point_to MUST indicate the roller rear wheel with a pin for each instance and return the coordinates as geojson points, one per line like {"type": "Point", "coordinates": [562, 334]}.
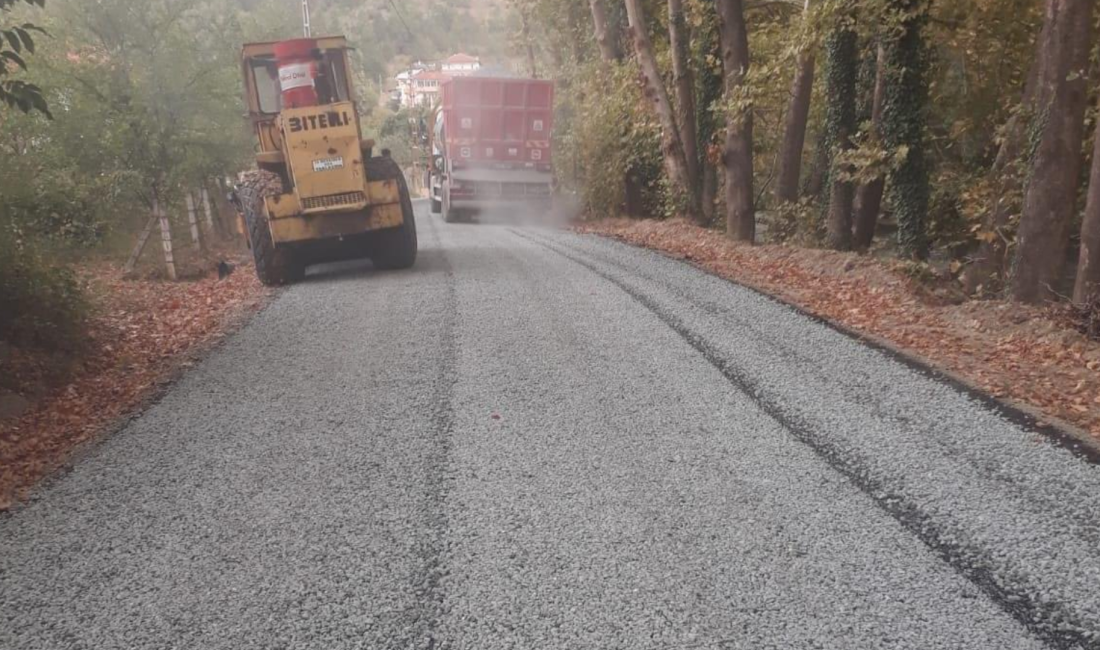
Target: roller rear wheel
{"type": "Point", "coordinates": [394, 248]}
{"type": "Point", "coordinates": [274, 266]}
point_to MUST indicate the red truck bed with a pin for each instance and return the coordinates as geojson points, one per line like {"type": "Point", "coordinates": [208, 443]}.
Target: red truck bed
{"type": "Point", "coordinates": [499, 123]}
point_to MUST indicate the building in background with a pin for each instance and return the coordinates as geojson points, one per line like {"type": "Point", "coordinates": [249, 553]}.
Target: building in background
{"type": "Point", "coordinates": [426, 87]}
{"type": "Point", "coordinates": [420, 84]}
{"type": "Point", "coordinates": [459, 65]}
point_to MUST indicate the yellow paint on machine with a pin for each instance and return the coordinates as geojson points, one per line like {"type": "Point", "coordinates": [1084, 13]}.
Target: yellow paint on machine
{"type": "Point", "coordinates": [321, 151]}
{"type": "Point", "coordinates": [299, 228]}
{"type": "Point", "coordinates": [331, 196]}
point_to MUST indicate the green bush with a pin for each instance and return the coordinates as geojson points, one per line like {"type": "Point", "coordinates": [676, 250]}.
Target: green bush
{"type": "Point", "coordinates": [603, 129]}
{"type": "Point", "coordinates": [41, 304]}
{"type": "Point", "coordinates": [58, 209]}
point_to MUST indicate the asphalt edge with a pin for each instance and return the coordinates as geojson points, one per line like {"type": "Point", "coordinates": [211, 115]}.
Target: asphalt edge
{"type": "Point", "coordinates": [160, 389]}
{"type": "Point", "coordinates": [1058, 432]}
{"type": "Point", "coordinates": [154, 397]}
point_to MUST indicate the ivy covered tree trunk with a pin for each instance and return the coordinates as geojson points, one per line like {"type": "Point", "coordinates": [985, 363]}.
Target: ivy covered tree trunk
{"type": "Point", "coordinates": [737, 156]}
{"type": "Point", "coordinates": [903, 120]}
{"type": "Point", "coordinates": [869, 195]}
{"type": "Point", "coordinates": [794, 129]}
{"type": "Point", "coordinates": [672, 148]}
{"type": "Point", "coordinates": [684, 82]}
{"type": "Point", "coordinates": [841, 70]}
{"type": "Point", "coordinates": [711, 82]}
{"type": "Point", "coordinates": [1061, 98]}
{"type": "Point", "coordinates": [1087, 285]}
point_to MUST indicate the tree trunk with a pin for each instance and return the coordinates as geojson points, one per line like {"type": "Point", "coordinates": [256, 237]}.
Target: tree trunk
{"type": "Point", "coordinates": [207, 212]}
{"type": "Point", "coordinates": [711, 81]}
{"type": "Point", "coordinates": [869, 195]}
{"type": "Point", "coordinates": [737, 157]}
{"type": "Point", "coordinates": [709, 191]}
{"type": "Point", "coordinates": [1052, 187]}
{"type": "Point", "coordinates": [840, 123]}
{"type": "Point", "coordinates": [903, 119]}
{"type": "Point", "coordinates": [1088, 262]}
{"type": "Point", "coordinates": [143, 239]}
{"type": "Point", "coordinates": [989, 263]}
{"type": "Point", "coordinates": [672, 148]}
{"type": "Point", "coordinates": [525, 32]}
{"type": "Point", "coordinates": [815, 185]}
{"type": "Point", "coordinates": [609, 45]}
{"type": "Point", "coordinates": [794, 131]}
{"type": "Point", "coordinates": [684, 83]}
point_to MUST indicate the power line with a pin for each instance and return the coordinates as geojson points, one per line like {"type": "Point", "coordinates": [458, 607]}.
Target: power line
{"type": "Point", "coordinates": [401, 18]}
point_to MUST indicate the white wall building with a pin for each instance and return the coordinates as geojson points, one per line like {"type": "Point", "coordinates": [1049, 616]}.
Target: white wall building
{"type": "Point", "coordinates": [426, 87]}
{"type": "Point", "coordinates": [460, 64]}
{"type": "Point", "coordinates": [420, 85]}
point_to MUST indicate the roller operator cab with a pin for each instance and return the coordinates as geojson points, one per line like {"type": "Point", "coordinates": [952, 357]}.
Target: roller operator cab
{"type": "Point", "coordinates": [491, 146]}
{"type": "Point", "coordinates": [318, 194]}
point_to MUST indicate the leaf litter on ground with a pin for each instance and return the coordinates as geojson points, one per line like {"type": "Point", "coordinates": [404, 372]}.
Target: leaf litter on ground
{"type": "Point", "coordinates": [141, 332]}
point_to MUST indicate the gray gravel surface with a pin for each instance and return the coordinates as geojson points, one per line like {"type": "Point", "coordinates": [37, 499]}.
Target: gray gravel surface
{"type": "Point", "coordinates": [541, 440]}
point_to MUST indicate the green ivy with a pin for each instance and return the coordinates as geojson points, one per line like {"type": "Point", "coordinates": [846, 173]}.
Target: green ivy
{"type": "Point", "coordinates": [903, 123]}
{"type": "Point", "coordinates": [841, 76]}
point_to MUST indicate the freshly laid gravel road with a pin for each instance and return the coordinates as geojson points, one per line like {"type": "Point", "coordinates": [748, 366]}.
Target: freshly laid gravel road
{"type": "Point", "coordinates": [539, 440]}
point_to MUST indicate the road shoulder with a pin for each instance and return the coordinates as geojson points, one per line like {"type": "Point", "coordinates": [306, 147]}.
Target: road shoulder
{"type": "Point", "coordinates": [1020, 361]}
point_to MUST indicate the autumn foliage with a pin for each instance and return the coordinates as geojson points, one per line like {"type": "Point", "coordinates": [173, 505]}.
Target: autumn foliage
{"type": "Point", "coordinates": [141, 331]}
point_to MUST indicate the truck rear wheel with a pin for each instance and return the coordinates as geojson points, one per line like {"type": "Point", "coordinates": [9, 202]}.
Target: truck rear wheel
{"type": "Point", "coordinates": [451, 214]}
{"type": "Point", "coordinates": [274, 266]}
{"type": "Point", "coordinates": [394, 248]}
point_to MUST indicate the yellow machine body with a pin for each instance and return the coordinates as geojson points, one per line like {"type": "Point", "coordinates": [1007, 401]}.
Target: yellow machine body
{"type": "Point", "coordinates": [318, 151]}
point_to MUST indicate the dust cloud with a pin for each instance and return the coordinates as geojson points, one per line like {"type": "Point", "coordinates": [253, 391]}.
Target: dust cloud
{"type": "Point", "coordinates": [564, 210]}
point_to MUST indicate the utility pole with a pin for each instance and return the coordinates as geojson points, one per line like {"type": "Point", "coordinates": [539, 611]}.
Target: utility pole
{"type": "Point", "coordinates": [305, 19]}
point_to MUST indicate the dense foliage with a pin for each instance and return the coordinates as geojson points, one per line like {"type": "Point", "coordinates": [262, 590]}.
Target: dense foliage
{"type": "Point", "coordinates": [41, 304]}
{"type": "Point", "coordinates": [16, 44]}
{"type": "Point", "coordinates": [145, 99]}
{"type": "Point", "coordinates": [952, 79]}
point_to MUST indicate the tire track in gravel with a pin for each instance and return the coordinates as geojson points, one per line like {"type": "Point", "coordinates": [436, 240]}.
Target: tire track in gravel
{"type": "Point", "coordinates": [423, 622]}
{"type": "Point", "coordinates": [862, 386]}
{"type": "Point", "coordinates": [1045, 620]}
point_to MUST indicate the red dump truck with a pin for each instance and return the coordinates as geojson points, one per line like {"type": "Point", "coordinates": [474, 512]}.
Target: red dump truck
{"type": "Point", "coordinates": [491, 146]}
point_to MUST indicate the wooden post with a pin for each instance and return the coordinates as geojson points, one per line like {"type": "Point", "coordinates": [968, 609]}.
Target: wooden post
{"type": "Point", "coordinates": [193, 220]}
{"type": "Point", "coordinates": [165, 238]}
{"type": "Point", "coordinates": [143, 239]}
{"type": "Point", "coordinates": [206, 208]}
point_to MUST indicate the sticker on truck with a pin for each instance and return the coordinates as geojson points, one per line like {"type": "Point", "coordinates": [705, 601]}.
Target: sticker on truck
{"type": "Point", "coordinates": [328, 164]}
